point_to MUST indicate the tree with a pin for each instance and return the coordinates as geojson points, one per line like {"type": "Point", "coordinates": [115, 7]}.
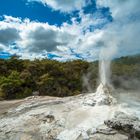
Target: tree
{"type": "Point", "coordinates": [45, 84]}
{"type": "Point", "coordinates": [11, 85]}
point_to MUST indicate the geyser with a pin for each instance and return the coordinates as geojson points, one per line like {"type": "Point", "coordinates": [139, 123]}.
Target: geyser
{"type": "Point", "coordinates": [104, 66]}
{"type": "Point", "coordinates": [104, 90]}
{"type": "Point", "coordinates": [104, 71]}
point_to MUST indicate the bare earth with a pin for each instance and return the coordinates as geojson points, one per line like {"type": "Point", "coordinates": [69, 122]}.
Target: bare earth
{"type": "Point", "coordinates": [70, 118]}
{"type": "Point", "coordinates": [8, 104]}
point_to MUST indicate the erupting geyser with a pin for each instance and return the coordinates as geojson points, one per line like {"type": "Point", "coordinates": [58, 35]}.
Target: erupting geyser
{"type": "Point", "coordinates": [104, 90]}
{"type": "Point", "coordinates": [103, 93]}
{"type": "Point", "coordinates": [104, 71]}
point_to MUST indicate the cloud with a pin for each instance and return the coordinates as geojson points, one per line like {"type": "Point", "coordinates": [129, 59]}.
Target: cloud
{"type": "Point", "coordinates": [32, 38]}
{"type": "Point", "coordinates": [2, 47]}
{"type": "Point", "coordinates": [9, 19]}
{"type": "Point", "coordinates": [121, 8]}
{"type": "Point", "coordinates": [37, 38]}
{"type": "Point", "coordinates": [76, 39]}
{"type": "Point", "coordinates": [8, 35]}
{"type": "Point", "coordinates": [62, 5]}
{"type": "Point", "coordinates": [9, 32]}
{"type": "Point", "coordinates": [44, 38]}
{"type": "Point", "coordinates": [122, 32]}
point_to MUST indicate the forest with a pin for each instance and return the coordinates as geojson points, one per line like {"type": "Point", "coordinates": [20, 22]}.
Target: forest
{"type": "Point", "coordinates": [21, 78]}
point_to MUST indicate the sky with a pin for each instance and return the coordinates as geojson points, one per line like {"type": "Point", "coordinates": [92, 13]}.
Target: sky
{"type": "Point", "coordinates": [69, 29]}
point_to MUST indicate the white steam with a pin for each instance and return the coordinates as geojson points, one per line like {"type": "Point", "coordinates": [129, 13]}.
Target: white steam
{"type": "Point", "coordinates": [106, 56]}
{"type": "Point", "coordinates": [104, 72]}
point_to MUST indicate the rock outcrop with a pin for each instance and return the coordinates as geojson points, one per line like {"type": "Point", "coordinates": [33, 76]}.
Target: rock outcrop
{"type": "Point", "coordinates": [129, 125]}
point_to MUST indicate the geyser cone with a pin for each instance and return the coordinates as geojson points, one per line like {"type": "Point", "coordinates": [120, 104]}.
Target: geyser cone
{"type": "Point", "coordinates": [104, 89]}
{"type": "Point", "coordinates": [103, 95]}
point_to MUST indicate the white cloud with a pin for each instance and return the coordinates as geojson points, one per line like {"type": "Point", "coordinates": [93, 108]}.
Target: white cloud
{"type": "Point", "coordinates": [62, 5]}
{"type": "Point", "coordinates": [124, 31]}
{"type": "Point", "coordinates": [120, 8]}
{"type": "Point", "coordinates": [35, 38]}
{"type": "Point", "coordinates": [10, 19]}
{"type": "Point", "coordinates": [32, 38]}
{"type": "Point", "coordinates": [2, 47]}
{"type": "Point", "coordinates": [38, 37]}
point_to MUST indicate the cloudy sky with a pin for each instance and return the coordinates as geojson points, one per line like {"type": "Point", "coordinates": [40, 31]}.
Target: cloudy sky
{"type": "Point", "coordinates": [69, 29]}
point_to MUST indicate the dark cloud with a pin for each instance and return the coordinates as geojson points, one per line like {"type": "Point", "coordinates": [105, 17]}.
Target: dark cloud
{"type": "Point", "coordinates": [44, 39]}
{"type": "Point", "coordinates": [8, 36]}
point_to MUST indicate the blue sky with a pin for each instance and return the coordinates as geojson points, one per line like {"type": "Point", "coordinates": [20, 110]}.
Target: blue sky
{"type": "Point", "coordinates": [38, 12]}
{"type": "Point", "coordinates": [66, 30]}
{"type": "Point", "coordinates": [34, 11]}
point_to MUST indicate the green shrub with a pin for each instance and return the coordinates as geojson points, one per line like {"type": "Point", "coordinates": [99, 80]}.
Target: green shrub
{"type": "Point", "coordinates": [2, 95]}
{"type": "Point", "coordinates": [27, 92]}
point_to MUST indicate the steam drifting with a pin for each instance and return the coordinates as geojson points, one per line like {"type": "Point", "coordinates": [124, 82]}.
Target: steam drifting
{"type": "Point", "coordinates": [105, 57]}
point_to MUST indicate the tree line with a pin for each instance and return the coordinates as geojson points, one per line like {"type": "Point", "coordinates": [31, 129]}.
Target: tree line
{"type": "Point", "coordinates": [20, 78]}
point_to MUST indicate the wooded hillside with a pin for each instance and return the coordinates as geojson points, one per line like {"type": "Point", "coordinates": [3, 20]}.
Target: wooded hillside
{"type": "Point", "coordinates": [20, 78]}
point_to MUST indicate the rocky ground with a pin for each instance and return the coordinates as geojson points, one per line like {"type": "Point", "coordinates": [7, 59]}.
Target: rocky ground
{"type": "Point", "coordinates": [6, 105]}
{"type": "Point", "coordinates": [71, 118]}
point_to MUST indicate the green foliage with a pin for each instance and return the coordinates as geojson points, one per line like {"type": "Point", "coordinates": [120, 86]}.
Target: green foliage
{"type": "Point", "coordinates": [2, 94]}
{"type": "Point", "coordinates": [126, 72]}
{"type": "Point", "coordinates": [19, 78]}
{"type": "Point", "coordinates": [10, 85]}
{"type": "Point", "coordinates": [45, 84]}
{"type": "Point", "coordinates": [27, 92]}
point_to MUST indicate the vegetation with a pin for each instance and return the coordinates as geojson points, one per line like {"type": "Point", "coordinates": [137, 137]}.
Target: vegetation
{"type": "Point", "coordinates": [20, 78]}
